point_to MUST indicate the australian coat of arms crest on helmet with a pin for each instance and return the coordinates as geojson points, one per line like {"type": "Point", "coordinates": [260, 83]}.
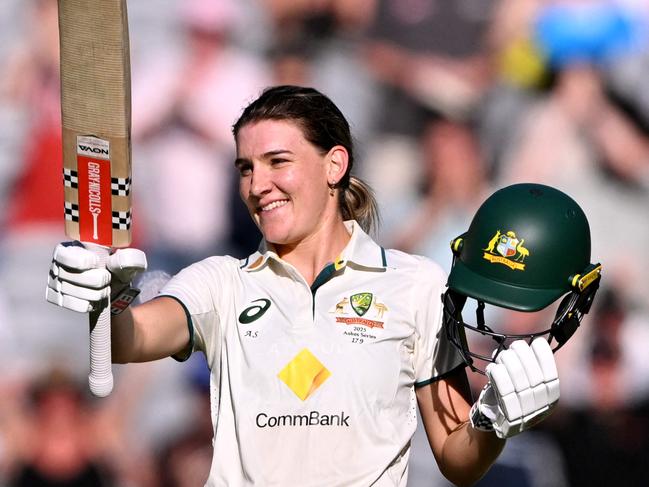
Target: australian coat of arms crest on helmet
{"type": "Point", "coordinates": [506, 248]}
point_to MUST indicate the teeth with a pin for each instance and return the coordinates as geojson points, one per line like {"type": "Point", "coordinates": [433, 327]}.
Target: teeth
{"type": "Point", "coordinates": [273, 205]}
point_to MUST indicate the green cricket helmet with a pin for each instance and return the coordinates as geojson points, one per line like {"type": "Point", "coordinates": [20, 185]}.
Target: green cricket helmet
{"type": "Point", "coordinates": [527, 246]}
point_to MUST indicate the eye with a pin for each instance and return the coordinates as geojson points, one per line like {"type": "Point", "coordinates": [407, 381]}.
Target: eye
{"type": "Point", "coordinates": [278, 161]}
{"type": "Point", "coordinates": [245, 169]}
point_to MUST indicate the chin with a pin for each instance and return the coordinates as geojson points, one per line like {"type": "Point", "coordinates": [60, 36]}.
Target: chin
{"type": "Point", "coordinates": [276, 234]}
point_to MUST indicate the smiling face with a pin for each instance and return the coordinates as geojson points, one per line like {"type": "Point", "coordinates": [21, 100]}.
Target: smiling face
{"type": "Point", "coordinates": [284, 181]}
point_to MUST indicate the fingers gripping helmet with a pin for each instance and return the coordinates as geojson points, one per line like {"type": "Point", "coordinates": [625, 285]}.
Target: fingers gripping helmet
{"type": "Point", "coordinates": [527, 246]}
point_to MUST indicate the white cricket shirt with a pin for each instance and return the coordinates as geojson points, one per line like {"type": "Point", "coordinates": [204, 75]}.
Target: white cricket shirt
{"type": "Point", "coordinates": [315, 385]}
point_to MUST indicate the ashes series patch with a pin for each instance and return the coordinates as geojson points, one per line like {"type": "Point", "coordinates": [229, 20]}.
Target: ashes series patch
{"type": "Point", "coordinates": [362, 315]}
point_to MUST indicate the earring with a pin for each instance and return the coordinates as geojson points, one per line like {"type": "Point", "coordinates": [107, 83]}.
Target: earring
{"type": "Point", "coordinates": [332, 186]}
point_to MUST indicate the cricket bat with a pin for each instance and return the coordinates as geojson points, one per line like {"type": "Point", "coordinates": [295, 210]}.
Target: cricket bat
{"type": "Point", "coordinates": [96, 116]}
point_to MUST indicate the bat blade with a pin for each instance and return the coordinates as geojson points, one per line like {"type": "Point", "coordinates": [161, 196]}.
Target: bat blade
{"type": "Point", "coordinates": [96, 116]}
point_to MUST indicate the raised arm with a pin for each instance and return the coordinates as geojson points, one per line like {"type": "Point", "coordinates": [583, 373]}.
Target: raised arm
{"type": "Point", "coordinates": [463, 453]}
{"type": "Point", "coordinates": [150, 331]}
{"type": "Point", "coordinates": [522, 390]}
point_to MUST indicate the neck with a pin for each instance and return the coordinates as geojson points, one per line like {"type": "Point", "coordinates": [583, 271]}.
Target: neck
{"type": "Point", "coordinates": [312, 254]}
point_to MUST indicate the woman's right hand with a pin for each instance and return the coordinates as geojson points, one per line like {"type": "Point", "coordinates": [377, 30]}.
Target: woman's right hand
{"type": "Point", "coordinates": [76, 280]}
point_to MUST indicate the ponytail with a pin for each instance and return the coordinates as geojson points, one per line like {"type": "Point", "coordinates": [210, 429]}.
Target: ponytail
{"type": "Point", "coordinates": [357, 202]}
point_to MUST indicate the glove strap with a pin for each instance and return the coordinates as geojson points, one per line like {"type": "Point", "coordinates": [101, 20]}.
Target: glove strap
{"type": "Point", "coordinates": [120, 301]}
{"type": "Point", "coordinates": [479, 420]}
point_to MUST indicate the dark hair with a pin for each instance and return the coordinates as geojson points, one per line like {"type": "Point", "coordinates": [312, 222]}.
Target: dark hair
{"type": "Point", "coordinates": [324, 125]}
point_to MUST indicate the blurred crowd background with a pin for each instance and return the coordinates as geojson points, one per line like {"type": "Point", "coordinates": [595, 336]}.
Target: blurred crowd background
{"type": "Point", "coordinates": [448, 100]}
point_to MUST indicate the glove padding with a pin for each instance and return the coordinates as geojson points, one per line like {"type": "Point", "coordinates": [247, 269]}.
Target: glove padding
{"type": "Point", "coordinates": [77, 282]}
{"type": "Point", "coordinates": [523, 389]}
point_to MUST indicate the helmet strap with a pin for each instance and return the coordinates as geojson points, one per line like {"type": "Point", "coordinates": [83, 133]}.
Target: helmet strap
{"type": "Point", "coordinates": [479, 316]}
{"type": "Point", "coordinates": [572, 309]}
{"type": "Point", "coordinates": [566, 320]}
{"type": "Point", "coordinates": [482, 326]}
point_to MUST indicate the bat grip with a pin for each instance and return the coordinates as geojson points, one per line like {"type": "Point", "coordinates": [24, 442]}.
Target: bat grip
{"type": "Point", "coordinates": [101, 375]}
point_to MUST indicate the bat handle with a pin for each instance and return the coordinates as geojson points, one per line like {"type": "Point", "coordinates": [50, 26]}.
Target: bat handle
{"type": "Point", "coordinates": [101, 375]}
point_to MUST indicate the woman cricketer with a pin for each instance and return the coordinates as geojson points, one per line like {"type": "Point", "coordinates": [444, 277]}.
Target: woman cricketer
{"type": "Point", "coordinates": [321, 344]}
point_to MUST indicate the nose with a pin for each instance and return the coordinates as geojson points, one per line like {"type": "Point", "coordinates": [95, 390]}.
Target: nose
{"type": "Point", "coordinates": [260, 182]}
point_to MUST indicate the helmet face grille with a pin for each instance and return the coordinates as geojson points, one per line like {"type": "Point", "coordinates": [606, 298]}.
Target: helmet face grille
{"type": "Point", "coordinates": [479, 345]}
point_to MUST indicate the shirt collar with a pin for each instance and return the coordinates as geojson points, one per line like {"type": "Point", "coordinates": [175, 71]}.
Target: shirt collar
{"type": "Point", "coordinates": [361, 252]}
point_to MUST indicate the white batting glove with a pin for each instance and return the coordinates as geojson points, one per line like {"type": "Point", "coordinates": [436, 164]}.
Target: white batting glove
{"type": "Point", "coordinates": [77, 282]}
{"type": "Point", "coordinates": [523, 389]}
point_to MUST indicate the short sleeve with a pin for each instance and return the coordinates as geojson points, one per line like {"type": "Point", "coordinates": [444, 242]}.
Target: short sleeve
{"type": "Point", "coordinates": [200, 290]}
{"type": "Point", "coordinates": [435, 356]}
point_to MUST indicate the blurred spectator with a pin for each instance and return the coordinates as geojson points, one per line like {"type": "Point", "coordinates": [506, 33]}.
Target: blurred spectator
{"type": "Point", "coordinates": [434, 67]}
{"type": "Point", "coordinates": [32, 222]}
{"type": "Point", "coordinates": [29, 88]}
{"type": "Point", "coordinates": [519, 72]}
{"type": "Point", "coordinates": [430, 56]}
{"type": "Point", "coordinates": [52, 441]}
{"type": "Point", "coordinates": [604, 437]}
{"type": "Point", "coordinates": [184, 104]}
{"type": "Point", "coordinates": [452, 187]}
{"type": "Point", "coordinates": [582, 139]}
{"type": "Point", "coordinates": [319, 43]}
{"type": "Point", "coordinates": [54, 434]}
{"type": "Point", "coordinates": [185, 460]}
{"type": "Point", "coordinates": [609, 368]}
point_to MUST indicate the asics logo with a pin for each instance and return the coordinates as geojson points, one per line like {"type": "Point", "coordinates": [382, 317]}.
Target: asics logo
{"type": "Point", "coordinates": [254, 312]}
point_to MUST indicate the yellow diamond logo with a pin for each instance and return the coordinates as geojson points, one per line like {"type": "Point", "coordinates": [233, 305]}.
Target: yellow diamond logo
{"type": "Point", "coordinates": [304, 374]}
